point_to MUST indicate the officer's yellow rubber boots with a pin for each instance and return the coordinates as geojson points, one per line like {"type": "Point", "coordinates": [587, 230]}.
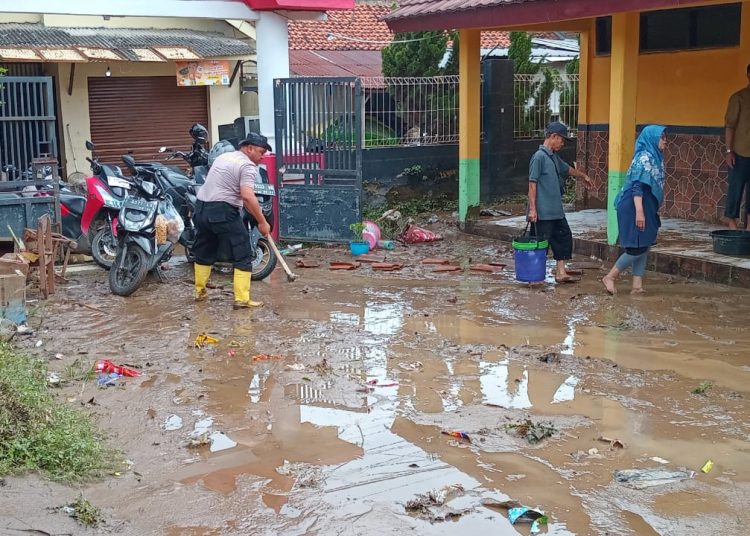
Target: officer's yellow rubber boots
{"type": "Point", "coordinates": [242, 282]}
{"type": "Point", "coordinates": [202, 273]}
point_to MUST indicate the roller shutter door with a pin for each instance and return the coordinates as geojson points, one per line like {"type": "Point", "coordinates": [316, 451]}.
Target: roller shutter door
{"type": "Point", "coordinates": [140, 114]}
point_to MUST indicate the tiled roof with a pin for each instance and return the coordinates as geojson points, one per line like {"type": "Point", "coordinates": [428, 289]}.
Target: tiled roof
{"type": "Point", "coordinates": [412, 8]}
{"type": "Point", "coordinates": [363, 63]}
{"type": "Point", "coordinates": [364, 29]}
{"type": "Point", "coordinates": [359, 29]}
{"type": "Point", "coordinates": [125, 42]}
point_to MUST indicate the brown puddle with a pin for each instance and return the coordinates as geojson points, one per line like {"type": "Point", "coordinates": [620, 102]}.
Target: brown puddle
{"type": "Point", "coordinates": [349, 452]}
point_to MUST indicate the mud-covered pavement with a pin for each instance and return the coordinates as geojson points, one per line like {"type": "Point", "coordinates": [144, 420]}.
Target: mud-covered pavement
{"type": "Point", "coordinates": [321, 450]}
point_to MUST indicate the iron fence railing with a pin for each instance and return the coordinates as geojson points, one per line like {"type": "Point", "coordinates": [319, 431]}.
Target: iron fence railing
{"type": "Point", "coordinates": [410, 111]}
{"type": "Point", "coordinates": [541, 98]}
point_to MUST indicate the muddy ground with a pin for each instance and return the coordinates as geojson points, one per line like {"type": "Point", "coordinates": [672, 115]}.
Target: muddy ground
{"type": "Point", "coordinates": [322, 451]}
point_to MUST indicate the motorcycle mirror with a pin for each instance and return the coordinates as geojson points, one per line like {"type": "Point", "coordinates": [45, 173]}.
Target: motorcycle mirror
{"type": "Point", "coordinates": [129, 161]}
{"type": "Point", "coordinates": [162, 149]}
{"type": "Point", "coordinates": [90, 146]}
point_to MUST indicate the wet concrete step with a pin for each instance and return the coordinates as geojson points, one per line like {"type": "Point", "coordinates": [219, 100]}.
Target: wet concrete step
{"type": "Point", "coordinates": [710, 268]}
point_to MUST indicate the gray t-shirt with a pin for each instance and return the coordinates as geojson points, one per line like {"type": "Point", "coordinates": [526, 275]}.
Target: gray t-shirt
{"type": "Point", "coordinates": [228, 172]}
{"type": "Point", "coordinates": [549, 172]}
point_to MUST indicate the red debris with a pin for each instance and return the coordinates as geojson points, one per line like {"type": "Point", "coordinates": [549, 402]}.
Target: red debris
{"type": "Point", "coordinates": [302, 263]}
{"type": "Point", "coordinates": [446, 268]}
{"type": "Point", "coordinates": [416, 235]}
{"type": "Point", "coordinates": [386, 266]}
{"type": "Point", "coordinates": [433, 260]}
{"type": "Point", "coordinates": [344, 265]}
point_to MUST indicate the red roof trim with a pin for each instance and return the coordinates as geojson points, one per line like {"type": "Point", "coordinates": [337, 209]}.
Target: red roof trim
{"type": "Point", "coordinates": [506, 15]}
{"type": "Point", "coordinates": [299, 5]}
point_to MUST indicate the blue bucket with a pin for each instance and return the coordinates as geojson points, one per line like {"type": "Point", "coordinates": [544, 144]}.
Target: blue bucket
{"type": "Point", "coordinates": [531, 259]}
{"type": "Point", "coordinates": [359, 248]}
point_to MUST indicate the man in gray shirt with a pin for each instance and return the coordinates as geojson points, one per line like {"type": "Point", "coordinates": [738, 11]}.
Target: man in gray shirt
{"type": "Point", "coordinates": [218, 218]}
{"type": "Point", "coordinates": [547, 174]}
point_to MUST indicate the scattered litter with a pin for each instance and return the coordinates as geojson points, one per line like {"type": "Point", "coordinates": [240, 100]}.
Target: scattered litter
{"type": "Point", "coordinates": [295, 366]}
{"type": "Point", "coordinates": [387, 244]}
{"type": "Point", "coordinates": [433, 504]}
{"type": "Point", "coordinates": [105, 365]}
{"type": "Point", "coordinates": [199, 437]}
{"type": "Point", "coordinates": [391, 215]}
{"type": "Point", "coordinates": [83, 511]}
{"type": "Point", "coordinates": [637, 321]}
{"type": "Point", "coordinates": [417, 235]}
{"type": "Point", "coordinates": [220, 441]}
{"type": "Point", "coordinates": [107, 380]}
{"type": "Point", "coordinates": [304, 263]}
{"type": "Point", "coordinates": [703, 388]}
{"type": "Point", "coordinates": [494, 213]}
{"type": "Point", "coordinates": [284, 470]}
{"type": "Point", "coordinates": [59, 356]}
{"type": "Point", "coordinates": [647, 478]}
{"type": "Point", "coordinates": [533, 432]}
{"type": "Point", "coordinates": [613, 443]}
{"type": "Point", "coordinates": [453, 299]}
{"type": "Point", "coordinates": [39, 344]}
{"type": "Point", "coordinates": [173, 422]}
{"type": "Point", "coordinates": [266, 357]}
{"type": "Point", "coordinates": [375, 383]}
{"type": "Point", "coordinates": [458, 435]}
{"type": "Point", "coordinates": [433, 220]}
{"type": "Point", "coordinates": [657, 459]}
{"type": "Point", "coordinates": [524, 514]}
{"type": "Point", "coordinates": [552, 357]}
{"type": "Point", "coordinates": [23, 329]}
{"type": "Point", "coordinates": [417, 365]}
{"type": "Point", "coordinates": [323, 368]}
{"type": "Point", "coordinates": [53, 379]}
{"type": "Point", "coordinates": [203, 339]}
{"type": "Point", "coordinates": [434, 260]}
{"type": "Point", "coordinates": [707, 466]}
{"type": "Point", "coordinates": [291, 249]}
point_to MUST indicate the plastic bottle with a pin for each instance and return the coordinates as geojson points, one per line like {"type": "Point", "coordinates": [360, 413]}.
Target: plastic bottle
{"type": "Point", "coordinates": [386, 244]}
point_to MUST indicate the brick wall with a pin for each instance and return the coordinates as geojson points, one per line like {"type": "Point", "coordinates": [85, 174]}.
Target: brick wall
{"type": "Point", "coordinates": [696, 182]}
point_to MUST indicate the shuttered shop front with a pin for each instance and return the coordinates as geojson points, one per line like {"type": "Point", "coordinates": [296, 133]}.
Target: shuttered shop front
{"type": "Point", "coordinates": [137, 115]}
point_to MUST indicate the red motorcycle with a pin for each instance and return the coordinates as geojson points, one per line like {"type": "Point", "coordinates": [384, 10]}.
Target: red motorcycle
{"type": "Point", "coordinates": [91, 221]}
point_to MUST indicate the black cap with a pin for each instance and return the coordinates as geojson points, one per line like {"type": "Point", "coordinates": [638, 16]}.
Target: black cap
{"type": "Point", "coordinates": [256, 139]}
{"type": "Point", "coordinates": [556, 127]}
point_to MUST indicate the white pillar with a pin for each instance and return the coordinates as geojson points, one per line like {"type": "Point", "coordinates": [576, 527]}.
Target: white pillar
{"type": "Point", "coordinates": [272, 39]}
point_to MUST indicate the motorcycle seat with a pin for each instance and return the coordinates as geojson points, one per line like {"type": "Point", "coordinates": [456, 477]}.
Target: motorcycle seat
{"type": "Point", "coordinates": [74, 203]}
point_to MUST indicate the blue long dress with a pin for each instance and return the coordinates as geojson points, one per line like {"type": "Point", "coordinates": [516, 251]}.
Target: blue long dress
{"type": "Point", "coordinates": [630, 235]}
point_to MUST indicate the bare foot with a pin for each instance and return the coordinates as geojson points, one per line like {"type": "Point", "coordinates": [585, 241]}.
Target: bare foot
{"type": "Point", "coordinates": [637, 290]}
{"type": "Point", "coordinates": [609, 284]}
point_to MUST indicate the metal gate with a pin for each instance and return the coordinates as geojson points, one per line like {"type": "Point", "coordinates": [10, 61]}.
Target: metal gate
{"type": "Point", "coordinates": [319, 156]}
{"type": "Point", "coordinates": [27, 120]}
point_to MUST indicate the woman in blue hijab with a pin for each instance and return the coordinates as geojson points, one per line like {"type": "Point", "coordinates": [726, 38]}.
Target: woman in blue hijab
{"type": "Point", "coordinates": [638, 207]}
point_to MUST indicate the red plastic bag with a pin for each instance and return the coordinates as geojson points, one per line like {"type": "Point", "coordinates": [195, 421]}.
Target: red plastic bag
{"type": "Point", "coordinates": [416, 235]}
{"type": "Point", "coordinates": [105, 365]}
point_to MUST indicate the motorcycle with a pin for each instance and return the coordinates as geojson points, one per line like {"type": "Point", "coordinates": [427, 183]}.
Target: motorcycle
{"type": "Point", "coordinates": [90, 221]}
{"type": "Point", "coordinates": [183, 191]}
{"type": "Point", "coordinates": [147, 230]}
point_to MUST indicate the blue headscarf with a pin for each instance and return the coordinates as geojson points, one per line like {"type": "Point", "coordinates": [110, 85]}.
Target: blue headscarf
{"type": "Point", "coordinates": [648, 163]}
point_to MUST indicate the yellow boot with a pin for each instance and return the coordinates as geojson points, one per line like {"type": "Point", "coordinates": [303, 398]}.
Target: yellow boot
{"type": "Point", "coordinates": [242, 281]}
{"type": "Point", "coordinates": [202, 273]}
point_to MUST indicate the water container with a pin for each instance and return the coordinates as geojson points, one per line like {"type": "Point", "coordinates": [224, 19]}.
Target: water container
{"type": "Point", "coordinates": [531, 259]}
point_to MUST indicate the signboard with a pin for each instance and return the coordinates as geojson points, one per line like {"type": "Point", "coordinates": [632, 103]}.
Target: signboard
{"type": "Point", "coordinates": [203, 73]}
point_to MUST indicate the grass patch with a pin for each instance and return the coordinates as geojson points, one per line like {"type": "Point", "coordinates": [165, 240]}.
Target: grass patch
{"type": "Point", "coordinates": [38, 433]}
{"type": "Point", "coordinates": [703, 388]}
{"type": "Point", "coordinates": [84, 512]}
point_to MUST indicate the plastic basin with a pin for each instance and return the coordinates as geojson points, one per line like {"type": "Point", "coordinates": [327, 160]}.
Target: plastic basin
{"type": "Point", "coordinates": [731, 242]}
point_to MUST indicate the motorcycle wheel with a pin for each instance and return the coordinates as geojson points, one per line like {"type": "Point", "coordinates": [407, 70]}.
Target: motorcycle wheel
{"type": "Point", "coordinates": [104, 247]}
{"type": "Point", "coordinates": [126, 280]}
{"type": "Point", "coordinates": [265, 261]}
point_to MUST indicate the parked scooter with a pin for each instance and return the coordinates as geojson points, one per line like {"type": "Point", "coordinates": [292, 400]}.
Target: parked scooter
{"type": "Point", "coordinates": [197, 157]}
{"type": "Point", "coordinates": [91, 221]}
{"type": "Point", "coordinates": [147, 230]}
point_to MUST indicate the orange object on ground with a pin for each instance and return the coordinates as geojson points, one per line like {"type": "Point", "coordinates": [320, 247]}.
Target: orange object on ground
{"type": "Point", "coordinates": [302, 263]}
{"type": "Point", "coordinates": [386, 266]}
{"type": "Point", "coordinates": [265, 357]}
{"type": "Point", "coordinates": [488, 268]}
{"type": "Point", "coordinates": [447, 268]}
{"type": "Point", "coordinates": [106, 366]}
{"type": "Point", "coordinates": [344, 265]}
{"type": "Point", "coordinates": [433, 260]}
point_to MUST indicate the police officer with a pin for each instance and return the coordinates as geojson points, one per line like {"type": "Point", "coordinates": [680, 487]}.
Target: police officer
{"type": "Point", "coordinates": [218, 218]}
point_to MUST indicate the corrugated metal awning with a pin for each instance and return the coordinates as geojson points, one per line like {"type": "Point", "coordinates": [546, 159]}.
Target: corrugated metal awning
{"type": "Point", "coordinates": [36, 42]}
{"type": "Point", "coordinates": [335, 62]}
